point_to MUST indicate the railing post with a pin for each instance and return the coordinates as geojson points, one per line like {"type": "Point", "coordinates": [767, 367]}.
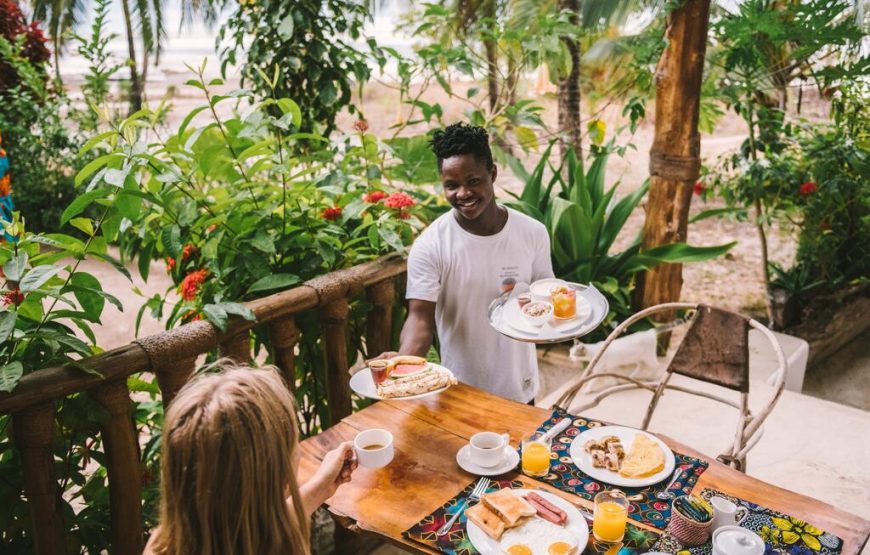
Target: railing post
{"type": "Point", "coordinates": [171, 379]}
{"type": "Point", "coordinates": [334, 316]}
{"type": "Point", "coordinates": [33, 429]}
{"type": "Point", "coordinates": [237, 348]}
{"type": "Point", "coordinates": [122, 465]}
{"type": "Point", "coordinates": [285, 335]}
{"type": "Point", "coordinates": [379, 325]}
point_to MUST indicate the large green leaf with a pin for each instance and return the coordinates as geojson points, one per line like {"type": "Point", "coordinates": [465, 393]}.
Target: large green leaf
{"type": "Point", "coordinates": [36, 277]}
{"type": "Point", "coordinates": [10, 375]}
{"type": "Point", "coordinates": [7, 324]}
{"type": "Point", "coordinates": [88, 294]}
{"type": "Point", "coordinates": [274, 281]}
{"type": "Point", "coordinates": [676, 253]}
{"type": "Point", "coordinates": [619, 215]}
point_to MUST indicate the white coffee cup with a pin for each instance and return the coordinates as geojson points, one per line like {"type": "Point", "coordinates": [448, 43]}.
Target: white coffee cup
{"type": "Point", "coordinates": [374, 448]}
{"type": "Point", "coordinates": [487, 449]}
{"type": "Point", "coordinates": [734, 540]}
{"type": "Point", "coordinates": [726, 513]}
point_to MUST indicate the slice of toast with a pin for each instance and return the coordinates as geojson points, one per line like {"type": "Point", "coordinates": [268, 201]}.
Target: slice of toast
{"type": "Point", "coordinates": [488, 521]}
{"type": "Point", "coordinates": [510, 508]}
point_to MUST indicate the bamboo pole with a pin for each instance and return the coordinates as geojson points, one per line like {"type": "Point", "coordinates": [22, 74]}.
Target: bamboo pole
{"type": "Point", "coordinates": [334, 316]}
{"type": "Point", "coordinates": [379, 323]}
{"type": "Point", "coordinates": [675, 154]}
{"type": "Point", "coordinates": [122, 466]}
{"type": "Point", "coordinates": [285, 336]}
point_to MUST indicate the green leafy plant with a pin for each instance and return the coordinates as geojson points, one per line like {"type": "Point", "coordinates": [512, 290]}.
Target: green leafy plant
{"type": "Point", "coordinates": [309, 41]}
{"type": "Point", "coordinates": [584, 220]}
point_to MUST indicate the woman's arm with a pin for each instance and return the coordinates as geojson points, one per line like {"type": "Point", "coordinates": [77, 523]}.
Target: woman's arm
{"type": "Point", "coordinates": [336, 469]}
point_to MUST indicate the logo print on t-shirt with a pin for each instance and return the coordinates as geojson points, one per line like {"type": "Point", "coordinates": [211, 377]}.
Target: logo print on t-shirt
{"type": "Point", "coordinates": [507, 284]}
{"type": "Point", "coordinates": [508, 275]}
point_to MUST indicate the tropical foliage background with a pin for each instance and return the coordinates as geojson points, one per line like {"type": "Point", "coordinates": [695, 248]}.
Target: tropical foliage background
{"type": "Point", "coordinates": [257, 187]}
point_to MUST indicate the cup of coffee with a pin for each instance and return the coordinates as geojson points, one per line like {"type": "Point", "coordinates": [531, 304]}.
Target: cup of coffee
{"type": "Point", "coordinates": [374, 448]}
{"type": "Point", "coordinates": [726, 513]}
{"type": "Point", "coordinates": [487, 449]}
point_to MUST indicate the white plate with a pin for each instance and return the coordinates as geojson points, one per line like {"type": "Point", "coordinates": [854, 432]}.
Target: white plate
{"type": "Point", "coordinates": [583, 460]}
{"type": "Point", "coordinates": [588, 299]}
{"type": "Point", "coordinates": [509, 462]}
{"type": "Point", "coordinates": [541, 289]}
{"type": "Point", "coordinates": [575, 524]}
{"type": "Point", "coordinates": [362, 384]}
{"type": "Point", "coordinates": [513, 316]}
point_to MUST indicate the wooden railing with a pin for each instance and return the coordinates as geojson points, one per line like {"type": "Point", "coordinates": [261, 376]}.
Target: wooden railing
{"type": "Point", "coordinates": [171, 356]}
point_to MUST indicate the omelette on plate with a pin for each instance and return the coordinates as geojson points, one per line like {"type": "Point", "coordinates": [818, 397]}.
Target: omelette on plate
{"type": "Point", "coordinates": [644, 458]}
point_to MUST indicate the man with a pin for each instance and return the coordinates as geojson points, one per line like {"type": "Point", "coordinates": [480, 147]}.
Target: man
{"type": "Point", "coordinates": [464, 260]}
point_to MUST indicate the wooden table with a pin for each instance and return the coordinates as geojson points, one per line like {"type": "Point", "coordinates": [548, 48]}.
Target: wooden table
{"type": "Point", "coordinates": [424, 475]}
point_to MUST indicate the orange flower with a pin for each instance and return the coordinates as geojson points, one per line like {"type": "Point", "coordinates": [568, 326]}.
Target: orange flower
{"type": "Point", "coordinates": [170, 264]}
{"type": "Point", "coordinates": [15, 297]}
{"type": "Point", "coordinates": [188, 251]}
{"type": "Point", "coordinates": [5, 187]}
{"type": "Point", "coordinates": [332, 214]}
{"type": "Point", "coordinates": [374, 196]}
{"type": "Point", "coordinates": [361, 126]}
{"type": "Point", "coordinates": [190, 285]}
{"type": "Point", "coordinates": [399, 200]}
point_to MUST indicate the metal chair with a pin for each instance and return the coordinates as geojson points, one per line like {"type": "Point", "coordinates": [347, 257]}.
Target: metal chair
{"type": "Point", "coordinates": [714, 350]}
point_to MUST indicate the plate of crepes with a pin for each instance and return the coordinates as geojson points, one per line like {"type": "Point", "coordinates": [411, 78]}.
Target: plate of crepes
{"type": "Point", "coordinates": [401, 377]}
{"type": "Point", "coordinates": [526, 522]}
{"type": "Point", "coordinates": [622, 456]}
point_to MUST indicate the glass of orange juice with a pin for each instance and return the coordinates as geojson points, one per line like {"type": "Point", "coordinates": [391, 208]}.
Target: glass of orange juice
{"type": "Point", "coordinates": [564, 300]}
{"type": "Point", "coordinates": [611, 514]}
{"type": "Point", "coordinates": [536, 454]}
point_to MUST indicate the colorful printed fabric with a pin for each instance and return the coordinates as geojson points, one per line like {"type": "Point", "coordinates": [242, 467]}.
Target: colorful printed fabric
{"type": "Point", "coordinates": [644, 506]}
{"type": "Point", "coordinates": [456, 541]}
{"type": "Point", "coordinates": [782, 534]}
{"type": "Point", "coordinates": [6, 205]}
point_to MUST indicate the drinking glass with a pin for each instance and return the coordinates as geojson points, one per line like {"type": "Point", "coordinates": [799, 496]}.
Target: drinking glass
{"type": "Point", "coordinates": [564, 302]}
{"type": "Point", "coordinates": [536, 454]}
{"type": "Point", "coordinates": [611, 514]}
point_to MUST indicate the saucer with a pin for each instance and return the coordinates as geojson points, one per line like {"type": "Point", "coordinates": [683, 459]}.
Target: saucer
{"type": "Point", "coordinates": [509, 462]}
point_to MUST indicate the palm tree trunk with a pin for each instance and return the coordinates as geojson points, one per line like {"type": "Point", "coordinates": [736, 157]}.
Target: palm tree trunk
{"type": "Point", "coordinates": [135, 84]}
{"type": "Point", "coordinates": [570, 129]}
{"type": "Point", "coordinates": [492, 73]}
{"type": "Point", "coordinates": [675, 154]}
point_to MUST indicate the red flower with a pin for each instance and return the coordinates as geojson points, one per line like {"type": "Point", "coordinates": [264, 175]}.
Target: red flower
{"type": "Point", "coordinates": [189, 250]}
{"type": "Point", "coordinates": [361, 125]}
{"type": "Point", "coordinates": [399, 200]}
{"type": "Point", "coordinates": [170, 264]}
{"type": "Point", "coordinates": [190, 285]}
{"type": "Point", "coordinates": [374, 196]}
{"type": "Point", "coordinates": [332, 214]}
{"type": "Point", "coordinates": [403, 214]}
{"type": "Point", "coordinates": [191, 316]}
{"type": "Point", "coordinates": [699, 188]}
{"type": "Point", "coordinates": [808, 188]}
{"type": "Point", "coordinates": [15, 297]}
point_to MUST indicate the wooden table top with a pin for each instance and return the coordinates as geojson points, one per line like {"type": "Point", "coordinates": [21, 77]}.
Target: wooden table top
{"type": "Point", "coordinates": [424, 475]}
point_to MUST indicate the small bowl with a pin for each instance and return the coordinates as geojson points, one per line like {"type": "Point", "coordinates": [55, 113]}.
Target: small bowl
{"type": "Point", "coordinates": [538, 313]}
{"type": "Point", "coordinates": [541, 289]}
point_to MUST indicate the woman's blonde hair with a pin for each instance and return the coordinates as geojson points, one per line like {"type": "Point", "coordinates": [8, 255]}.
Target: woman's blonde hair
{"type": "Point", "coordinates": [228, 466]}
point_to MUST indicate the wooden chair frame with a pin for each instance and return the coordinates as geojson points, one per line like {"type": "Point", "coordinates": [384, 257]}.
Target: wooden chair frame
{"type": "Point", "coordinates": [749, 426]}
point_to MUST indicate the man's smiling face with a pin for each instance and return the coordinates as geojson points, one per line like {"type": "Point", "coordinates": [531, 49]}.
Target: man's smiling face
{"type": "Point", "coordinates": [468, 185]}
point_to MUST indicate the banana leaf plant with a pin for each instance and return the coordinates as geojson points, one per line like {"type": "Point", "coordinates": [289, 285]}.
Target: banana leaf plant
{"type": "Point", "coordinates": [584, 221]}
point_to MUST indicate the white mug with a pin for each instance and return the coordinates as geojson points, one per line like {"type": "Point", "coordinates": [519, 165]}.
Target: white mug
{"type": "Point", "coordinates": [374, 448]}
{"type": "Point", "coordinates": [726, 513]}
{"type": "Point", "coordinates": [487, 449]}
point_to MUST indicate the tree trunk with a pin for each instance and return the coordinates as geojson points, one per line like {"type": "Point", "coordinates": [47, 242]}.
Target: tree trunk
{"type": "Point", "coordinates": [135, 85]}
{"type": "Point", "coordinates": [675, 154]}
{"type": "Point", "coordinates": [570, 130]}
{"type": "Point", "coordinates": [492, 73]}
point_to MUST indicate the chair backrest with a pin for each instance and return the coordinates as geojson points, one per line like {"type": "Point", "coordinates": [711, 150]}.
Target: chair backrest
{"type": "Point", "coordinates": [715, 349]}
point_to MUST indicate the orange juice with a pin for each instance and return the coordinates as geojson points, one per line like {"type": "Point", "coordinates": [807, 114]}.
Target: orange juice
{"type": "Point", "coordinates": [564, 302]}
{"type": "Point", "coordinates": [536, 459]}
{"type": "Point", "coordinates": [608, 524]}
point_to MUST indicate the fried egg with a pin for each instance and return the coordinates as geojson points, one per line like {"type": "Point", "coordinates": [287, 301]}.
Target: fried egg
{"type": "Point", "coordinates": [536, 536]}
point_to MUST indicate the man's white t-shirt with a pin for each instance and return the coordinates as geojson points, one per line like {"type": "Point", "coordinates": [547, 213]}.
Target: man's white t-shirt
{"type": "Point", "coordinates": [462, 273]}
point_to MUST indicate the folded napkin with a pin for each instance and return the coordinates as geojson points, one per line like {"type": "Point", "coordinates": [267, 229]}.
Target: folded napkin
{"type": "Point", "coordinates": [648, 509]}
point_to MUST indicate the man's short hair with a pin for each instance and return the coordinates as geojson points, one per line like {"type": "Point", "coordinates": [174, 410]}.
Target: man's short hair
{"type": "Point", "coordinates": [461, 138]}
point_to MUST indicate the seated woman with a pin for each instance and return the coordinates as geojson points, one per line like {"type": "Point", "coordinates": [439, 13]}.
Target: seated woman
{"type": "Point", "coordinates": [228, 478]}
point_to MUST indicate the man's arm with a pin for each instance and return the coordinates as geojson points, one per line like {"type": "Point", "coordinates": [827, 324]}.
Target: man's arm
{"type": "Point", "coordinates": [419, 329]}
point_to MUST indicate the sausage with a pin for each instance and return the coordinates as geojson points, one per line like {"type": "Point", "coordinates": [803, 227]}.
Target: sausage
{"type": "Point", "coordinates": [535, 498]}
{"type": "Point", "coordinates": [544, 513]}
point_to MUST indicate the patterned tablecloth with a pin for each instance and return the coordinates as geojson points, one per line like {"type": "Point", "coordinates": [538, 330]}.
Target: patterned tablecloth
{"type": "Point", "coordinates": [645, 506]}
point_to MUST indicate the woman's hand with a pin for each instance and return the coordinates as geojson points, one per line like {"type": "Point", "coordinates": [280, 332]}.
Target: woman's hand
{"type": "Point", "coordinates": [336, 469]}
